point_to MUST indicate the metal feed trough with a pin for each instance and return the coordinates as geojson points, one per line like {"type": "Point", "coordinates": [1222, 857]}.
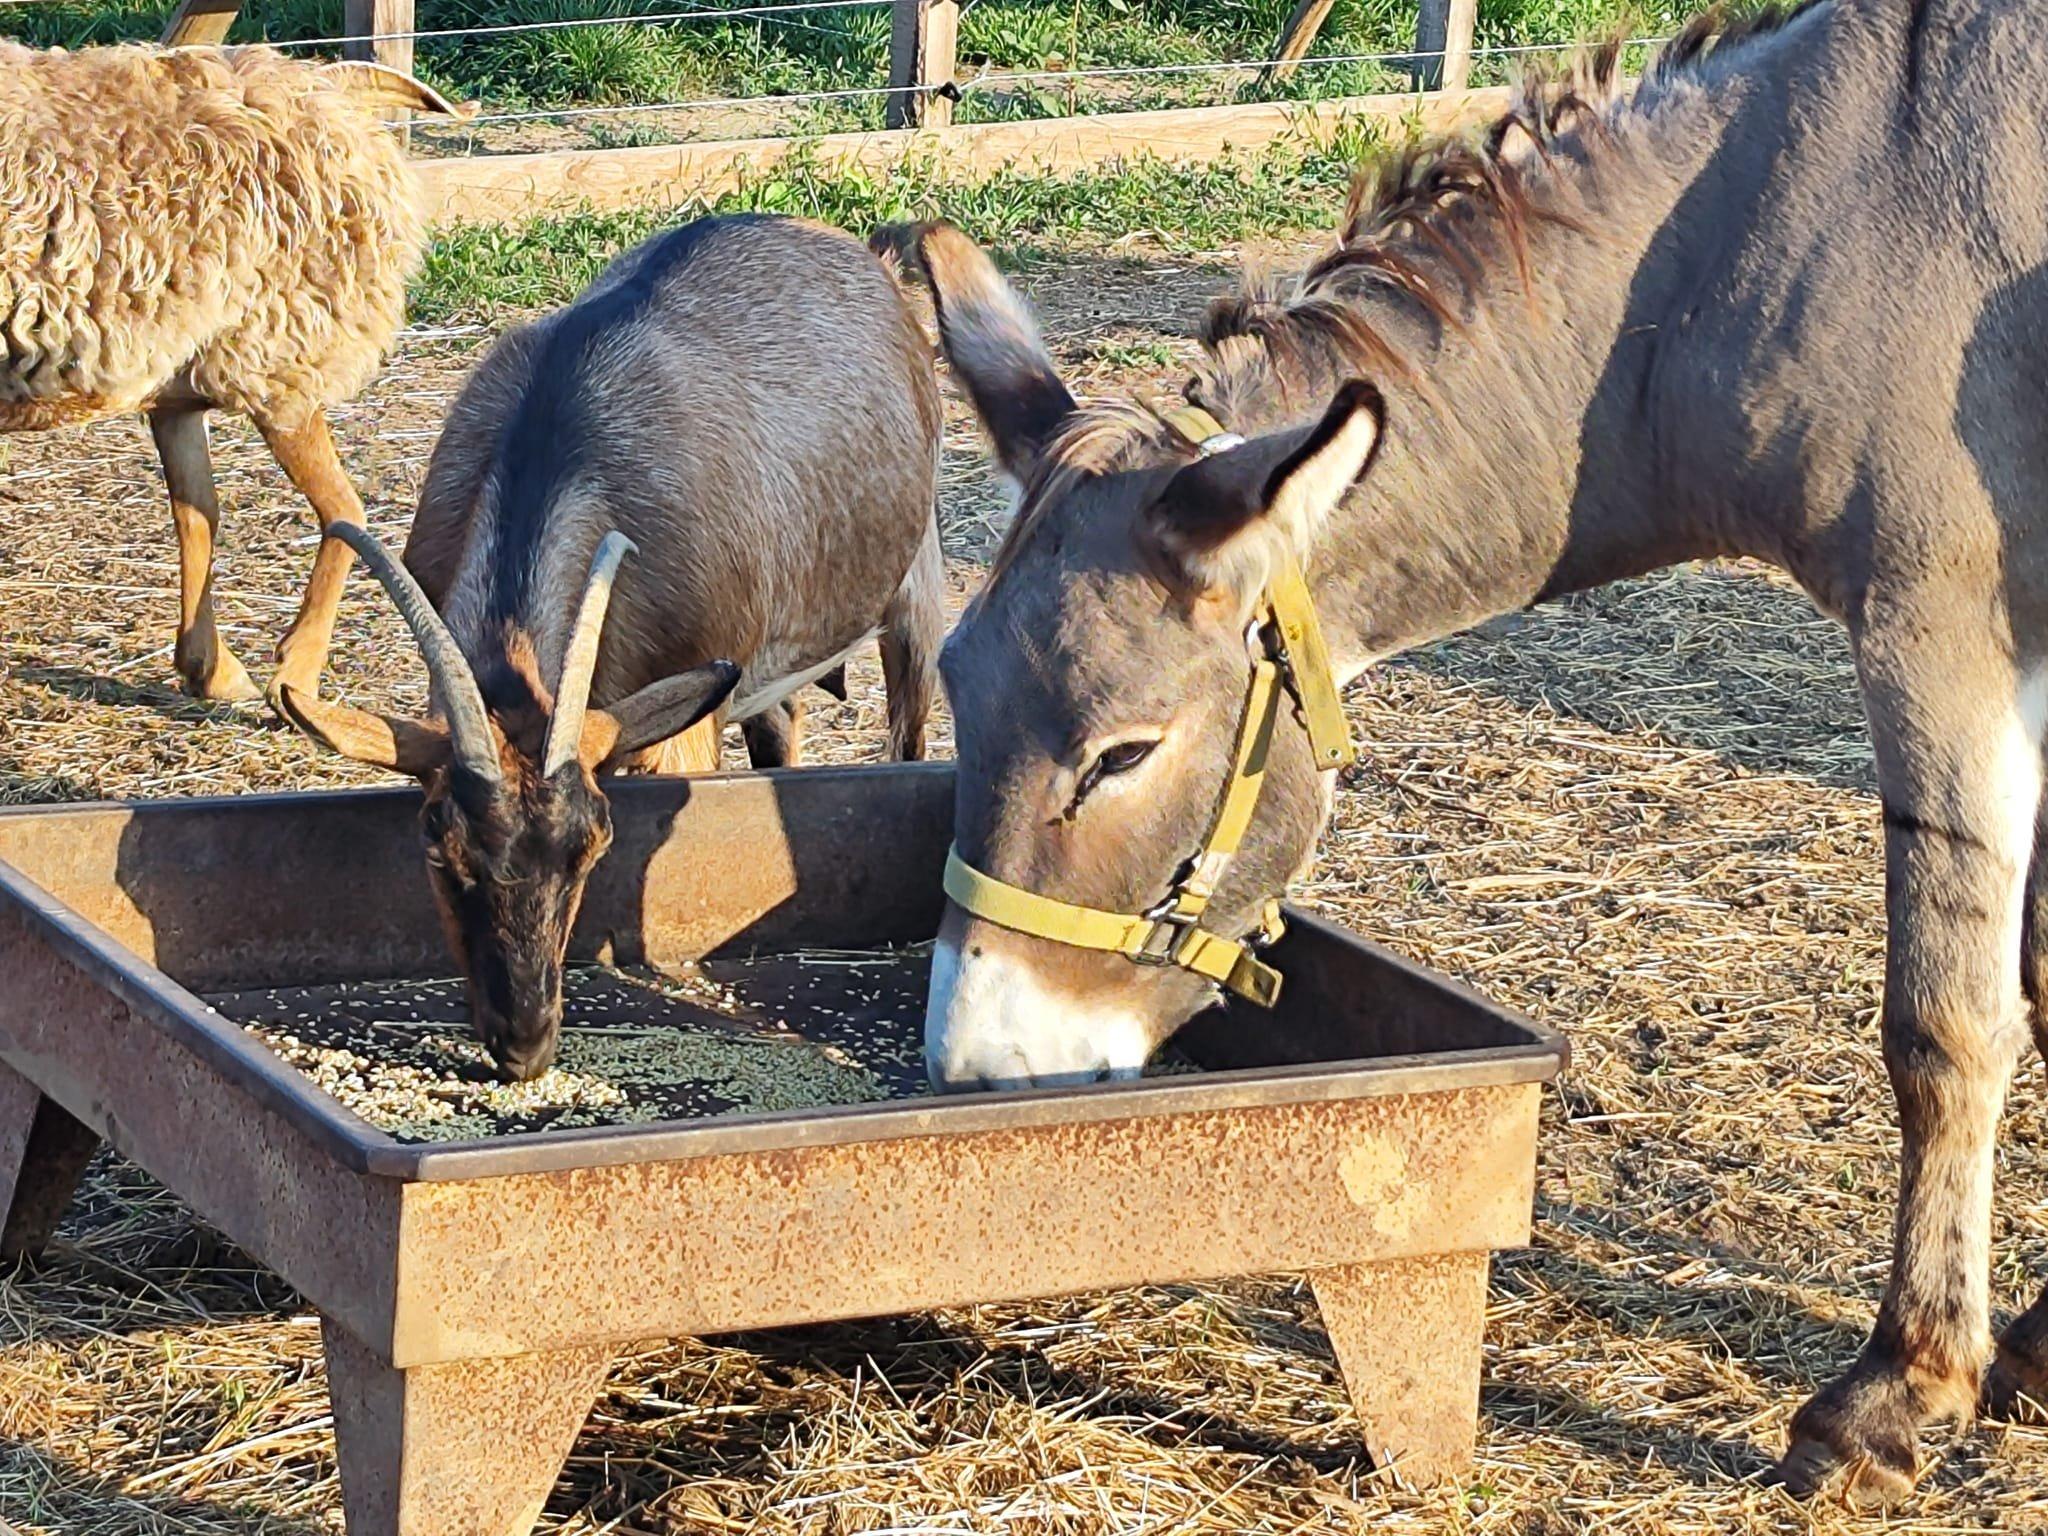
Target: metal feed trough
{"type": "Point", "coordinates": [1377, 1130]}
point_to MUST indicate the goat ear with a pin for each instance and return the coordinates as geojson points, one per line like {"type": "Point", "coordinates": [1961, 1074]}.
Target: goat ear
{"type": "Point", "coordinates": [417, 747]}
{"type": "Point", "coordinates": [990, 340]}
{"type": "Point", "coordinates": [1216, 516]}
{"type": "Point", "coordinates": [378, 85]}
{"type": "Point", "coordinates": [655, 713]}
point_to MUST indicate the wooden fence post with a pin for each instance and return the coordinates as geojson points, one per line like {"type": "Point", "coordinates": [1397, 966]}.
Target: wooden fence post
{"type": "Point", "coordinates": [1443, 44]}
{"type": "Point", "coordinates": [383, 29]}
{"type": "Point", "coordinates": [201, 23]}
{"type": "Point", "coordinates": [1295, 39]}
{"type": "Point", "coordinates": [923, 42]}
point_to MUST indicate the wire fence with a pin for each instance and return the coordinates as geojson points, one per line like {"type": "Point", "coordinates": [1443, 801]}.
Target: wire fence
{"type": "Point", "coordinates": [991, 80]}
{"type": "Point", "coordinates": [576, 23]}
{"type": "Point", "coordinates": [784, 92]}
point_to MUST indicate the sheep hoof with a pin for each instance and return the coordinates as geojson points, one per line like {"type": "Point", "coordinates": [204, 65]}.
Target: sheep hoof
{"type": "Point", "coordinates": [227, 683]}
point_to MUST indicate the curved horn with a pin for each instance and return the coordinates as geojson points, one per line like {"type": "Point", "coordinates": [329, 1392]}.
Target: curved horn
{"type": "Point", "coordinates": [469, 724]}
{"type": "Point", "coordinates": [579, 661]}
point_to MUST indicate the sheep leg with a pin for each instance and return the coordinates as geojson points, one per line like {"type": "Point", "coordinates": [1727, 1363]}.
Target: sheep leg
{"type": "Point", "coordinates": [307, 456]}
{"type": "Point", "coordinates": [208, 667]}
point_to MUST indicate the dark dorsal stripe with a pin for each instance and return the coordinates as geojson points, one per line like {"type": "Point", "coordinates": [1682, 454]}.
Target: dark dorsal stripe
{"type": "Point", "coordinates": [552, 437]}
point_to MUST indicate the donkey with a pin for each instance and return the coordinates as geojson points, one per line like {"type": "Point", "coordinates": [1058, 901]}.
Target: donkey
{"type": "Point", "coordinates": [1787, 300]}
{"type": "Point", "coordinates": [753, 403]}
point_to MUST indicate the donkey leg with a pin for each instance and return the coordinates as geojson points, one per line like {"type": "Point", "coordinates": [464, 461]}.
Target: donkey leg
{"type": "Point", "coordinates": [1958, 737]}
{"type": "Point", "coordinates": [310, 462]}
{"type": "Point", "coordinates": [2016, 1386]}
{"type": "Point", "coordinates": [912, 626]}
{"type": "Point", "coordinates": [209, 668]}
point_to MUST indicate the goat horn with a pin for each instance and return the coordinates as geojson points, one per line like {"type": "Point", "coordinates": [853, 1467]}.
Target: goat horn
{"type": "Point", "coordinates": [469, 724]}
{"type": "Point", "coordinates": [579, 661]}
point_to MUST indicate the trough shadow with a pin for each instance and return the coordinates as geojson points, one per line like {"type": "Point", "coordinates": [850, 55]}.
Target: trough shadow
{"type": "Point", "coordinates": [1177, 1424]}
{"type": "Point", "coordinates": [66, 1496]}
{"type": "Point", "coordinates": [1757, 1305]}
{"type": "Point", "coordinates": [1703, 1318]}
{"type": "Point", "coordinates": [129, 1257]}
{"type": "Point", "coordinates": [1619, 1437]}
{"type": "Point", "coordinates": [1028, 1376]}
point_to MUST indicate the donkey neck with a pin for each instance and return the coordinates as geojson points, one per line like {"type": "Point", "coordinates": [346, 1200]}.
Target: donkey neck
{"type": "Point", "coordinates": [1537, 447]}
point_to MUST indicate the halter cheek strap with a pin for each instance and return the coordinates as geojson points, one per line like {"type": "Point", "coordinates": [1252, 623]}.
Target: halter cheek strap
{"type": "Point", "coordinates": [1171, 933]}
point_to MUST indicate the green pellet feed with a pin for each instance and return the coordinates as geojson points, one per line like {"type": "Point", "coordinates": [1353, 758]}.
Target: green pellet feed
{"type": "Point", "coordinates": [793, 1031]}
{"type": "Point", "coordinates": [752, 1035]}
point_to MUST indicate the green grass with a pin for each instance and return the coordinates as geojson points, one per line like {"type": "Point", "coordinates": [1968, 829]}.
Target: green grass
{"type": "Point", "coordinates": [838, 48]}
{"type": "Point", "coordinates": [484, 271]}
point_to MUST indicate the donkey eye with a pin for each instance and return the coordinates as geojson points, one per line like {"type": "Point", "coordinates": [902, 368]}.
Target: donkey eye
{"type": "Point", "coordinates": [1124, 756]}
{"type": "Point", "coordinates": [1121, 757]}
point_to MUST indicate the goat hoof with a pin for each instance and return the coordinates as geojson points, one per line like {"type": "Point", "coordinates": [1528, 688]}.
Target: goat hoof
{"type": "Point", "coordinates": [274, 694]}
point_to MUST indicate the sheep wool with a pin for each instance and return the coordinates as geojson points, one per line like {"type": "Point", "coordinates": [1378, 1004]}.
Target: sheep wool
{"type": "Point", "coordinates": [229, 219]}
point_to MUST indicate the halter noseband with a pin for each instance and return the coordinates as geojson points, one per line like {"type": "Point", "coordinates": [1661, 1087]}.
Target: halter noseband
{"type": "Point", "coordinates": [1171, 932]}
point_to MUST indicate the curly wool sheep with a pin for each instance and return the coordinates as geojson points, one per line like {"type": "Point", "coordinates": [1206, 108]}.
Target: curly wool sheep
{"type": "Point", "coordinates": [206, 229]}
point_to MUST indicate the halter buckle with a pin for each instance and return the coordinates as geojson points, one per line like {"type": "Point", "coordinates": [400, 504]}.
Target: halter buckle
{"type": "Point", "coordinates": [1162, 940]}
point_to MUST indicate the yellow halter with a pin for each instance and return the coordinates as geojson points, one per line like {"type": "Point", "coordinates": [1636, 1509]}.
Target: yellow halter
{"type": "Point", "coordinates": [1171, 933]}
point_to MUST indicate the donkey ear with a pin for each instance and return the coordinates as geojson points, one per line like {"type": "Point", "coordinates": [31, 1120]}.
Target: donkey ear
{"type": "Point", "coordinates": [655, 713]}
{"type": "Point", "coordinates": [1216, 515]}
{"type": "Point", "coordinates": [990, 340]}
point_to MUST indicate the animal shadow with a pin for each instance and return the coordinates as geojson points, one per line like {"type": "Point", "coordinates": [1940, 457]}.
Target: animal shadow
{"type": "Point", "coordinates": [99, 688]}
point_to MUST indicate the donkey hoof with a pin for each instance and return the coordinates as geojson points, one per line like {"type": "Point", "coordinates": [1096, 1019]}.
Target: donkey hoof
{"type": "Point", "coordinates": [1865, 1480]}
{"type": "Point", "coordinates": [2014, 1393]}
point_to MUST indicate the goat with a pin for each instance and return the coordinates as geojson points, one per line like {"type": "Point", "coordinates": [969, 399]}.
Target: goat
{"type": "Point", "coordinates": [206, 229]}
{"type": "Point", "coordinates": [753, 403]}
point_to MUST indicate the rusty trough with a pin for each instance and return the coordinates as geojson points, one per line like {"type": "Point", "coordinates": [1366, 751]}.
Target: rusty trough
{"type": "Point", "coordinates": [1378, 1130]}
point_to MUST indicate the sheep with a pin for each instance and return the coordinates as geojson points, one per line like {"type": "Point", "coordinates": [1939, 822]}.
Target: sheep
{"type": "Point", "coordinates": [206, 229]}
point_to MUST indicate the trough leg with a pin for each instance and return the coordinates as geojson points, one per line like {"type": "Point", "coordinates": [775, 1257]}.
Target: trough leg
{"type": "Point", "coordinates": [471, 1448]}
{"type": "Point", "coordinates": [1407, 1336]}
{"type": "Point", "coordinates": [43, 1153]}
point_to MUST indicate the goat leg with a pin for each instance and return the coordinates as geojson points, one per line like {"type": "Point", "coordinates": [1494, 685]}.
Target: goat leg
{"type": "Point", "coordinates": [913, 624]}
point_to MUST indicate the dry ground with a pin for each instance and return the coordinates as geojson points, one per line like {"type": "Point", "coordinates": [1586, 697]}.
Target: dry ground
{"type": "Point", "coordinates": [1645, 816]}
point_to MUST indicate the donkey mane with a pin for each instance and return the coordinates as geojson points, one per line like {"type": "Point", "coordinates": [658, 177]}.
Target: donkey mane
{"type": "Point", "coordinates": [1420, 218]}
